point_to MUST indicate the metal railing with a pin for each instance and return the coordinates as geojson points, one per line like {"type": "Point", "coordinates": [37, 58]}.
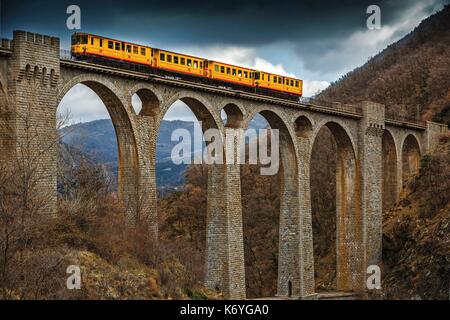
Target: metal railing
{"type": "Point", "coordinates": [337, 106]}
{"type": "Point", "coordinates": [405, 119]}
{"type": "Point", "coordinates": [350, 108]}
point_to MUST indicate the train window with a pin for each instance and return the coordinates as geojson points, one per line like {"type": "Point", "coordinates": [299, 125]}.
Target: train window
{"type": "Point", "coordinates": [183, 61]}
{"type": "Point", "coordinates": [296, 84]}
{"type": "Point", "coordinates": [250, 75]}
{"type": "Point", "coordinates": [257, 76]}
{"type": "Point", "coordinates": [222, 69]}
{"type": "Point", "coordinates": [234, 72]}
{"type": "Point", "coordinates": [201, 65]}
{"type": "Point", "coordinates": [216, 68]}
{"type": "Point", "coordinates": [245, 74]}
{"type": "Point", "coordinates": [92, 41]}
{"type": "Point", "coordinates": [176, 59]}
{"type": "Point", "coordinates": [110, 45]}
{"type": "Point", "coordinates": [280, 81]}
{"type": "Point", "coordinates": [101, 43]}
{"type": "Point", "coordinates": [228, 70]}
{"type": "Point", "coordinates": [117, 46]}
{"type": "Point", "coordinates": [143, 51]}
{"type": "Point", "coordinates": [135, 50]}
{"type": "Point", "coordinates": [292, 83]}
{"type": "Point", "coordinates": [169, 58]}
{"type": "Point", "coordinates": [84, 39]}
{"type": "Point", "coordinates": [286, 82]}
{"type": "Point", "coordinates": [162, 57]}
{"type": "Point", "coordinates": [128, 48]}
{"type": "Point", "coordinates": [189, 62]}
{"type": "Point", "coordinates": [195, 64]}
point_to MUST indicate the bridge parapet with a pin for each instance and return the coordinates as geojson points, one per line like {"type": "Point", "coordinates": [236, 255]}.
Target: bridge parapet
{"type": "Point", "coordinates": [6, 44]}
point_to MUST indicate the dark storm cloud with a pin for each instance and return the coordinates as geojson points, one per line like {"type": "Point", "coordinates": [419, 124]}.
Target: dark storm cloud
{"type": "Point", "coordinates": [327, 38]}
{"type": "Point", "coordinates": [196, 22]}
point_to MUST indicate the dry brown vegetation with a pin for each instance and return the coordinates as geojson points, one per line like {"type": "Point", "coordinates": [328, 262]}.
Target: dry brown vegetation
{"type": "Point", "coordinates": [416, 239]}
{"type": "Point", "coordinates": [184, 221]}
{"type": "Point", "coordinates": [90, 230]}
{"type": "Point", "coordinates": [118, 261]}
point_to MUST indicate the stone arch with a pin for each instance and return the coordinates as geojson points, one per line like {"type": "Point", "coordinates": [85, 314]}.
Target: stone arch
{"type": "Point", "coordinates": [128, 163]}
{"type": "Point", "coordinates": [216, 251]}
{"type": "Point", "coordinates": [52, 76]}
{"type": "Point", "coordinates": [35, 73]}
{"type": "Point", "coordinates": [288, 264]}
{"type": "Point", "coordinates": [235, 115]}
{"type": "Point", "coordinates": [411, 155]}
{"type": "Point", "coordinates": [349, 224]}
{"type": "Point", "coordinates": [200, 106]}
{"type": "Point", "coordinates": [150, 98]}
{"type": "Point", "coordinates": [344, 130]}
{"type": "Point", "coordinates": [44, 75]}
{"type": "Point", "coordinates": [390, 170]}
{"type": "Point", "coordinates": [303, 127]}
{"type": "Point", "coordinates": [27, 71]}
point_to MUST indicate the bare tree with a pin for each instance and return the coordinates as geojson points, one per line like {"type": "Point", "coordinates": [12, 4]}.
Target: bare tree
{"type": "Point", "coordinates": [24, 207]}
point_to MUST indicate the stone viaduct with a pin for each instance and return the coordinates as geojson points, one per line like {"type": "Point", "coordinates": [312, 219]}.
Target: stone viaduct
{"type": "Point", "coordinates": [374, 153]}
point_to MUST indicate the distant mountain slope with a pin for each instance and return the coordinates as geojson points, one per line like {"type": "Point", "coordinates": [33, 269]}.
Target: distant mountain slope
{"type": "Point", "coordinates": [97, 141]}
{"type": "Point", "coordinates": [414, 72]}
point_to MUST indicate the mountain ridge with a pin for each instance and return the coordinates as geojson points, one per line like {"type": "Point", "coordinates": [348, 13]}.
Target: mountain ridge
{"type": "Point", "coordinates": [410, 76]}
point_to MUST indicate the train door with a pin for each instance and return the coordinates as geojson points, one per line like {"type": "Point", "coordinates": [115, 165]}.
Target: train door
{"type": "Point", "coordinates": [206, 72]}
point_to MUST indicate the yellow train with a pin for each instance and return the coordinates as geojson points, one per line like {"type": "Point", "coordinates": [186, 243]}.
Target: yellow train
{"type": "Point", "coordinates": [126, 54]}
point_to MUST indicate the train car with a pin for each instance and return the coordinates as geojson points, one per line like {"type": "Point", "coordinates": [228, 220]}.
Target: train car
{"type": "Point", "coordinates": [124, 54]}
{"type": "Point", "coordinates": [179, 63]}
{"type": "Point", "coordinates": [84, 45]}
{"type": "Point", "coordinates": [229, 73]}
{"type": "Point", "coordinates": [293, 86]}
{"type": "Point", "coordinates": [275, 82]}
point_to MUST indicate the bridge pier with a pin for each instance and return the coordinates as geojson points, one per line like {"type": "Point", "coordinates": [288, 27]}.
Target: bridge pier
{"type": "Point", "coordinates": [294, 273]}
{"type": "Point", "coordinates": [306, 248]}
{"type": "Point", "coordinates": [370, 146]}
{"type": "Point", "coordinates": [143, 209]}
{"type": "Point", "coordinates": [225, 267]}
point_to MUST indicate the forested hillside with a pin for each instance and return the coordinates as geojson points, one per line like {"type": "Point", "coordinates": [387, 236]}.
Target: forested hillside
{"type": "Point", "coordinates": [410, 76]}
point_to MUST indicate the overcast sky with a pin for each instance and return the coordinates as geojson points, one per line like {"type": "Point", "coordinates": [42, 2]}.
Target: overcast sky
{"type": "Point", "coordinates": [317, 41]}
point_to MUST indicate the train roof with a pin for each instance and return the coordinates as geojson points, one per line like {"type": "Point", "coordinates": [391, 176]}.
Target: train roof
{"type": "Point", "coordinates": [107, 38]}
